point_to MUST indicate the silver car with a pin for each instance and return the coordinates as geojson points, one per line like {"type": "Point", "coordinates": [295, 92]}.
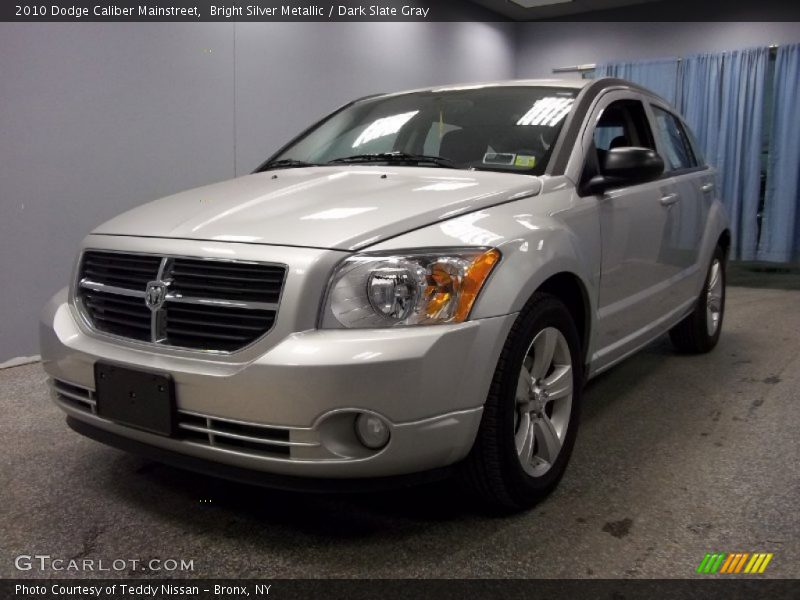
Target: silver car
{"type": "Point", "coordinates": [416, 286]}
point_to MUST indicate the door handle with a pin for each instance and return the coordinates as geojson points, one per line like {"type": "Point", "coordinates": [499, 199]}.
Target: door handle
{"type": "Point", "coordinates": [669, 199]}
{"type": "Point", "coordinates": [707, 187]}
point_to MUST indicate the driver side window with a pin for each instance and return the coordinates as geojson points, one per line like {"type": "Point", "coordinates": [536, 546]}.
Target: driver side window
{"type": "Point", "coordinates": [622, 123]}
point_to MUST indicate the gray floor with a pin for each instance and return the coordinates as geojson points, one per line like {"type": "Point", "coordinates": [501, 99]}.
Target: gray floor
{"type": "Point", "coordinates": [677, 456]}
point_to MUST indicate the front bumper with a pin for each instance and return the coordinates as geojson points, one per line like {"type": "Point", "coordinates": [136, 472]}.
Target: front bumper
{"type": "Point", "coordinates": [290, 410]}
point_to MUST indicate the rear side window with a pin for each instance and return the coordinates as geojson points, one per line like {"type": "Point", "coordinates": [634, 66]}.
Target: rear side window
{"type": "Point", "coordinates": [677, 147]}
{"type": "Point", "coordinates": [698, 154]}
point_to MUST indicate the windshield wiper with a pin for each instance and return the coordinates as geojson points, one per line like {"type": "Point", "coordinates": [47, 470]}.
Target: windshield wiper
{"type": "Point", "coordinates": [395, 157]}
{"type": "Point", "coordinates": [286, 163]}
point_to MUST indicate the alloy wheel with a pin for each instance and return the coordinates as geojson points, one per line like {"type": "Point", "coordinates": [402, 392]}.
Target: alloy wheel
{"type": "Point", "coordinates": [714, 293]}
{"type": "Point", "coordinates": [543, 401]}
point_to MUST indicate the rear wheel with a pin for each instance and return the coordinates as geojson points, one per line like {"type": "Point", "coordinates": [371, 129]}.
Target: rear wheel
{"type": "Point", "coordinates": [531, 414]}
{"type": "Point", "coordinates": [699, 331]}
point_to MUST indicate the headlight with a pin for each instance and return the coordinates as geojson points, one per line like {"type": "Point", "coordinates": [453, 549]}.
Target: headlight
{"type": "Point", "coordinates": [408, 288]}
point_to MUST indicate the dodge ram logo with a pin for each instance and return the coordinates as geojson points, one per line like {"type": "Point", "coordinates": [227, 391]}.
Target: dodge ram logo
{"type": "Point", "coordinates": [155, 294]}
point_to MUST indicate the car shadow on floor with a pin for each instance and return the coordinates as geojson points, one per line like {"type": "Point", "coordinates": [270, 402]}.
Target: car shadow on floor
{"type": "Point", "coordinates": [275, 518]}
{"type": "Point", "coordinates": [603, 390]}
{"type": "Point", "coordinates": [239, 507]}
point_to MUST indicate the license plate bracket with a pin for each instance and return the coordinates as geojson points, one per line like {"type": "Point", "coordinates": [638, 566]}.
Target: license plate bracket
{"type": "Point", "coordinates": [140, 399]}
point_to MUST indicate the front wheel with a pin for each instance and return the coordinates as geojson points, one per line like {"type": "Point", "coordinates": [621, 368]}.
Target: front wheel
{"type": "Point", "coordinates": [531, 414]}
{"type": "Point", "coordinates": [699, 331]}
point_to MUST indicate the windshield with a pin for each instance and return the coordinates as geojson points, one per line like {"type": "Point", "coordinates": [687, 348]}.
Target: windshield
{"type": "Point", "coordinates": [492, 127]}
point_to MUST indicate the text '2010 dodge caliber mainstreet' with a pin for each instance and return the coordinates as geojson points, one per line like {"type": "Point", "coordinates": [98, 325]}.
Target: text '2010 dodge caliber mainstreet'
{"type": "Point", "coordinates": [418, 285]}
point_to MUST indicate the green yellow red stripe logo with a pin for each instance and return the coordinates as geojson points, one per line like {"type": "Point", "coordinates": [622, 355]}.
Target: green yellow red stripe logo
{"type": "Point", "coordinates": [732, 563]}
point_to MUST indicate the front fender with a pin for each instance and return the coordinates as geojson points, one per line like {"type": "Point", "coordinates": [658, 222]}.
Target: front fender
{"type": "Point", "coordinates": [533, 247]}
{"type": "Point", "coordinates": [529, 261]}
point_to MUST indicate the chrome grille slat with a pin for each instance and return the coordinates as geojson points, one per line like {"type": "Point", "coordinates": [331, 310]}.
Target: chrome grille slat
{"type": "Point", "coordinates": [185, 321]}
{"type": "Point", "coordinates": [120, 321]}
{"type": "Point", "coordinates": [131, 312]}
{"type": "Point", "coordinates": [227, 289]}
{"type": "Point", "coordinates": [253, 438]}
{"type": "Point", "coordinates": [236, 436]}
{"type": "Point", "coordinates": [199, 310]}
{"type": "Point", "coordinates": [209, 265]}
{"type": "Point", "coordinates": [73, 394]}
{"type": "Point", "coordinates": [103, 299]}
{"type": "Point", "coordinates": [209, 304]}
{"type": "Point", "coordinates": [212, 302]}
{"type": "Point", "coordinates": [92, 266]}
{"type": "Point", "coordinates": [76, 397]}
{"type": "Point", "coordinates": [230, 421]}
{"type": "Point", "coordinates": [205, 334]}
{"type": "Point", "coordinates": [111, 289]}
{"type": "Point", "coordinates": [183, 273]}
{"type": "Point", "coordinates": [120, 257]}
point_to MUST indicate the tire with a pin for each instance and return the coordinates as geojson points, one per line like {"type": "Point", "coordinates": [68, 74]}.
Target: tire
{"type": "Point", "coordinates": [699, 332]}
{"type": "Point", "coordinates": [496, 470]}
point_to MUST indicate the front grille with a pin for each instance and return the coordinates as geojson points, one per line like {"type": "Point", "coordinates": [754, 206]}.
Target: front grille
{"type": "Point", "coordinates": [74, 395]}
{"type": "Point", "coordinates": [195, 326]}
{"type": "Point", "coordinates": [129, 271]}
{"type": "Point", "coordinates": [216, 432]}
{"type": "Point", "coordinates": [204, 304]}
{"type": "Point", "coordinates": [126, 316]}
{"type": "Point", "coordinates": [250, 438]}
{"type": "Point", "coordinates": [229, 281]}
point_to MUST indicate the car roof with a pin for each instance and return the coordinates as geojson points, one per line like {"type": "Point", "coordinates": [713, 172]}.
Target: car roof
{"type": "Point", "coordinates": [575, 84]}
{"type": "Point", "coordinates": [560, 83]}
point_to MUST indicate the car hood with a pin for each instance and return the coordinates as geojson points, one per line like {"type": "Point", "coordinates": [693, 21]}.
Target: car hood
{"type": "Point", "coordinates": [344, 208]}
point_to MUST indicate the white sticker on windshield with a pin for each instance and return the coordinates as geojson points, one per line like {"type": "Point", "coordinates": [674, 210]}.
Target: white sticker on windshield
{"type": "Point", "coordinates": [499, 158]}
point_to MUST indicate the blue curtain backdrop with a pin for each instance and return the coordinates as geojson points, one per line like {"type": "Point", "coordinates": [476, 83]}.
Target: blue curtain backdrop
{"type": "Point", "coordinates": [780, 227]}
{"type": "Point", "coordinates": [700, 98]}
{"type": "Point", "coordinates": [660, 75]}
{"type": "Point", "coordinates": [722, 98]}
{"type": "Point", "coordinates": [739, 143]}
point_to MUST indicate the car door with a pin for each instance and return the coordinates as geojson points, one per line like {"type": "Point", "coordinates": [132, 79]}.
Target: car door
{"type": "Point", "coordinates": [634, 290]}
{"type": "Point", "coordinates": [690, 186]}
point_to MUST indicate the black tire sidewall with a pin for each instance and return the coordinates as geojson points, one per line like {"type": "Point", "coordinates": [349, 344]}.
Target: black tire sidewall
{"type": "Point", "coordinates": [549, 313]}
{"type": "Point", "coordinates": [701, 328]}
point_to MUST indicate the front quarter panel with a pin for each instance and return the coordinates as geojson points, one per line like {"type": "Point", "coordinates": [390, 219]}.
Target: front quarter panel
{"type": "Point", "coordinates": [716, 224]}
{"type": "Point", "coordinates": [540, 236]}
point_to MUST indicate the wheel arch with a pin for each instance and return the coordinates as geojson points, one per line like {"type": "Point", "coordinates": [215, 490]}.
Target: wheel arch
{"type": "Point", "coordinates": [553, 261]}
{"type": "Point", "coordinates": [724, 242]}
{"type": "Point", "coordinates": [569, 289]}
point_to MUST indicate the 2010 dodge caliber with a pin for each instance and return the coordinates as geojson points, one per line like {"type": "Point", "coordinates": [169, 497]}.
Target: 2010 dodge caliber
{"type": "Point", "coordinates": [419, 284]}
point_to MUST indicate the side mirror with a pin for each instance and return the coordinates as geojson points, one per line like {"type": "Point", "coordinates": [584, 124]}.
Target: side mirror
{"type": "Point", "coordinates": [626, 166]}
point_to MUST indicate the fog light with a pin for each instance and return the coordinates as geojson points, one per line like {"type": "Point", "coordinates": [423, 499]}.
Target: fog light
{"type": "Point", "coordinates": [372, 431]}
